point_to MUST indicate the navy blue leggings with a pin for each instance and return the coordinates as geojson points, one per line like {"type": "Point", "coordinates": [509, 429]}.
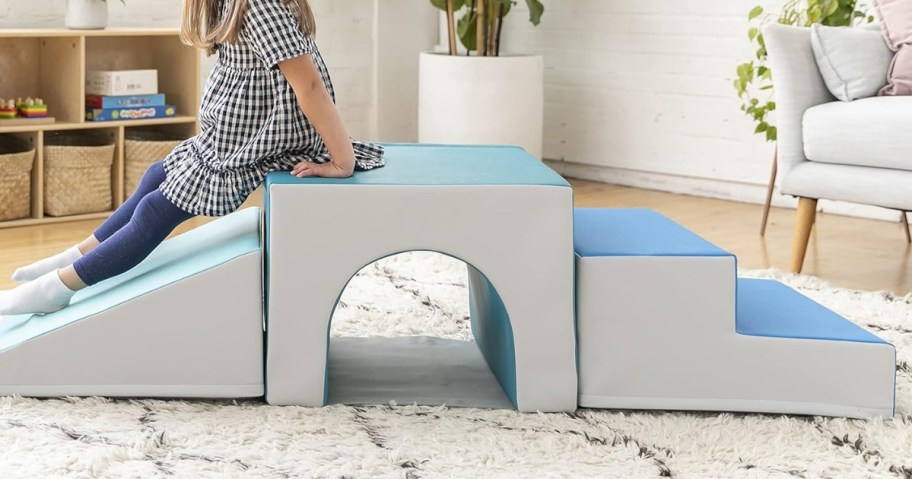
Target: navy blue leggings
{"type": "Point", "coordinates": [130, 234]}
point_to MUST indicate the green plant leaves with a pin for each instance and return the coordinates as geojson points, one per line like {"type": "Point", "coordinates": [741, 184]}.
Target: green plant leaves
{"type": "Point", "coordinates": [755, 12]}
{"type": "Point", "coordinates": [505, 6]}
{"type": "Point", "coordinates": [466, 26]}
{"type": "Point", "coordinates": [466, 29]}
{"type": "Point", "coordinates": [441, 4]}
{"type": "Point", "coordinates": [754, 78]}
{"type": "Point", "coordinates": [746, 72]}
{"type": "Point", "coordinates": [536, 9]}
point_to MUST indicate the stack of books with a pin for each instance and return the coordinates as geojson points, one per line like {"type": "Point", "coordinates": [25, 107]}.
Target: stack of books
{"type": "Point", "coordinates": [125, 95]}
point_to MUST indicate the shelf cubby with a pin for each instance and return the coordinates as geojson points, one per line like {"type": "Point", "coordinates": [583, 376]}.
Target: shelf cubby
{"type": "Point", "coordinates": [178, 73]}
{"type": "Point", "coordinates": [22, 141]}
{"type": "Point", "coordinates": [90, 137]}
{"type": "Point", "coordinates": [173, 130]}
{"type": "Point", "coordinates": [52, 64]}
{"type": "Point", "coordinates": [43, 68]}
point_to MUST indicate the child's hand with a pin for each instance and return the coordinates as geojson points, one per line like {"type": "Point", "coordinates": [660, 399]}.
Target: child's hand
{"type": "Point", "coordinates": [331, 169]}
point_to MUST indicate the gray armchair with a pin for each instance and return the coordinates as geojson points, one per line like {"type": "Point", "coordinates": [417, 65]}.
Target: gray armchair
{"type": "Point", "coordinates": [858, 151]}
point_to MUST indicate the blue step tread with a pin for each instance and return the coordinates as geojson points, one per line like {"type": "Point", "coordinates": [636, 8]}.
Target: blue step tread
{"type": "Point", "coordinates": [772, 309]}
{"type": "Point", "coordinates": [448, 165]}
{"type": "Point", "coordinates": [176, 259]}
{"type": "Point", "coordinates": [635, 232]}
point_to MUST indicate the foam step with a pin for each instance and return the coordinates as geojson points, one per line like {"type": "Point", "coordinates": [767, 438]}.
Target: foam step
{"type": "Point", "coordinates": [646, 270]}
{"type": "Point", "coordinates": [784, 354]}
{"type": "Point", "coordinates": [663, 323]}
{"type": "Point", "coordinates": [800, 357]}
{"type": "Point", "coordinates": [187, 322]}
{"type": "Point", "coordinates": [643, 283]}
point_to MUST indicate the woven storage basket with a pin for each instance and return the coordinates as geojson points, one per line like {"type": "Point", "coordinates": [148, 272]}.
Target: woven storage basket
{"type": "Point", "coordinates": [77, 174]}
{"type": "Point", "coordinates": [141, 149]}
{"type": "Point", "coordinates": [16, 159]}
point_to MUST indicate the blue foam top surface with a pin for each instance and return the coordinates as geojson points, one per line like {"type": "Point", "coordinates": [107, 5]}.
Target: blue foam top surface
{"type": "Point", "coordinates": [772, 309]}
{"type": "Point", "coordinates": [635, 232]}
{"type": "Point", "coordinates": [200, 249]}
{"type": "Point", "coordinates": [414, 164]}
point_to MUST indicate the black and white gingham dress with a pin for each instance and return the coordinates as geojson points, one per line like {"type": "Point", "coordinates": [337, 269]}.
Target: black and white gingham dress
{"type": "Point", "coordinates": [250, 121]}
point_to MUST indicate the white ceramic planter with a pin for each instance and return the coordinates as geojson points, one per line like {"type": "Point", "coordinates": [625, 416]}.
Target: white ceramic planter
{"type": "Point", "coordinates": [86, 14]}
{"type": "Point", "coordinates": [481, 100]}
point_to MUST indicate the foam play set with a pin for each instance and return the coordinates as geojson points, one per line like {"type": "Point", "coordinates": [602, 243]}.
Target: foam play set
{"type": "Point", "coordinates": [601, 308]}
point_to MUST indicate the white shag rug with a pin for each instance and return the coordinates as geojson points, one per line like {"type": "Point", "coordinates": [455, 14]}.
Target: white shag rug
{"type": "Point", "coordinates": [425, 294]}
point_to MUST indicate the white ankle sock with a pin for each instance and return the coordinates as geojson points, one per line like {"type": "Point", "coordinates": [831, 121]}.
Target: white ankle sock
{"type": "Point", "coordinates": [43, 295]}
{"type": "Point", "coordinates": [39, 268]}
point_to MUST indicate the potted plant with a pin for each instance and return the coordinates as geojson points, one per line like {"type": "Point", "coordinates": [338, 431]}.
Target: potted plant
{"type": "Point", "coordinates": [754, 81]}
{"type": "Point", "coordinates": [87, 14]}
{"type": "Point", "coordinates": [474, 95]}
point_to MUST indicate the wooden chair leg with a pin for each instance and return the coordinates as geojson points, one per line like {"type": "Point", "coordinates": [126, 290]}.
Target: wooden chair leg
{"type": "Point", "coordinates": [769, 193]}
{"type": "Point", "coordinates": [905, 223]}
{"type": "Point", "coordinates": [807, 211]}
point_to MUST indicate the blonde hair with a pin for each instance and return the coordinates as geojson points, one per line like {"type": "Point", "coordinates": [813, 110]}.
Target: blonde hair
{"type": "Point", "coordinates": [203, 26]}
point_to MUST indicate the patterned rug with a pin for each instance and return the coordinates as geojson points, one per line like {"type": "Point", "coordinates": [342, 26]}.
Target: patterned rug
{"type": "Point", "coordinates": [425, 294]}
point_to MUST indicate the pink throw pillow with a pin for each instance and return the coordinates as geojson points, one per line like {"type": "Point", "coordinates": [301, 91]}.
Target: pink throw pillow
{"type": "Point", "coordinates": [896, 21]}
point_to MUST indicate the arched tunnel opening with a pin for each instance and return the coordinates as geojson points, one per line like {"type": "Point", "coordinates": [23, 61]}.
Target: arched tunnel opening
{"type": "Point", "coordinates": [420, 327]}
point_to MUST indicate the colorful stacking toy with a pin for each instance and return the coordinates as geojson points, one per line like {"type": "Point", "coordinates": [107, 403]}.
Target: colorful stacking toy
{"type": "Point", "coordinates": [32, 108]}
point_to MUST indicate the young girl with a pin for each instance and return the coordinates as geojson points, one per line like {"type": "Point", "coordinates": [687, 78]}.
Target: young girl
{"type": "Point", "coordinates": [268, 106]}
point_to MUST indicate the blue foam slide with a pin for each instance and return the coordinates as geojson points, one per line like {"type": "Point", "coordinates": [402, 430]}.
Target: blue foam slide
{"type": "Point", "coordinates": [185, 323]}
{"type": "Point", "coordinates": [198, 250]}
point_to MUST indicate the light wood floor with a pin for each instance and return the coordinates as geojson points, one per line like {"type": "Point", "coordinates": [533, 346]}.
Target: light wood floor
{"type": "Point", "coordinates": [847, 252]}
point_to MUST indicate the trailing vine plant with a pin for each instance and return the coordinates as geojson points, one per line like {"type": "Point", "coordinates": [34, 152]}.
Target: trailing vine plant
{"type": "Point", "coordinates": [754, 81]}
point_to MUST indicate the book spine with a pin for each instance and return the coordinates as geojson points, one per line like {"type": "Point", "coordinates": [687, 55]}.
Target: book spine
{"type": "Point", "coordinates": [101, 101]}
{"type": "Point", "coordinates": [140, 113]}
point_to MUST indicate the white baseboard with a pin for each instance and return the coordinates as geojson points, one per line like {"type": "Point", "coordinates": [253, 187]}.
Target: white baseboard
{"type": "Point", "coordinates": [709, 188]}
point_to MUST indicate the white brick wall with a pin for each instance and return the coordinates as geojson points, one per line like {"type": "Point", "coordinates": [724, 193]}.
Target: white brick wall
{"type": "Point", "coordinates": [345, 33]}
{"type": "Point", "coordinates": [50, 13]}
{"type": "Point", "coordinates": [645, 86]}
{"type": "Point", "coordinates": [640, 93]}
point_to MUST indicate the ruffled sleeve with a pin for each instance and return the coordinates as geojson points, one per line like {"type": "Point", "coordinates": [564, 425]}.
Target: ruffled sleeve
{"type": "Point", "coordinates": [273, 31]}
